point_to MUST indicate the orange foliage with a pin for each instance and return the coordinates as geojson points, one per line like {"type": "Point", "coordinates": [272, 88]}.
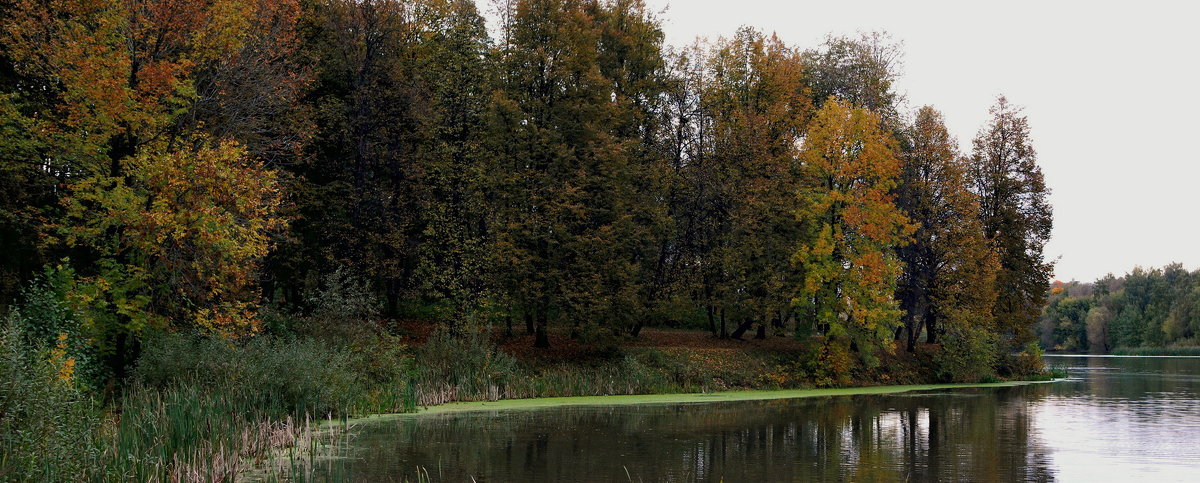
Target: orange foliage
{"type": "Point", "coordinates": [849, 265]}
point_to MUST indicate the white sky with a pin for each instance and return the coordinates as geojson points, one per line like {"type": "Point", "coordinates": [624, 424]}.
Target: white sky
{"type": "Point", "coordinates": [1112, 92]}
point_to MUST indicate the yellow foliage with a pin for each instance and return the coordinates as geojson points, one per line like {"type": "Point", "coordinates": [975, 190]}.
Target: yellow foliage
{"type": "Point", "coordinates": [64, 366]}
{"type": "Point", "coordinates": [848, 260]}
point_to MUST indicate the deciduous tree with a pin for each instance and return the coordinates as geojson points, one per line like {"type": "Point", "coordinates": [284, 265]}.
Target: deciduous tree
{"type": "Point", "coordinates": [850, 267]}
{"type": "Point", "coordinates": [949, 268]}
{"type": "Point", "coordinates": [1016, 218]}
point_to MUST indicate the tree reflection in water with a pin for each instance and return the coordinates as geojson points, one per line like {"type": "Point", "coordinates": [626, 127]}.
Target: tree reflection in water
{"type": "Point", "coordinates": [965, 434]}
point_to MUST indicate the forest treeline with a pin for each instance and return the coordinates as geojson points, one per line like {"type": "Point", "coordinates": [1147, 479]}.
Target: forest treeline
{"type": "Point", "coordinates": [180, 165]}
{"type": "Point", "coordinates": [1151, 311]}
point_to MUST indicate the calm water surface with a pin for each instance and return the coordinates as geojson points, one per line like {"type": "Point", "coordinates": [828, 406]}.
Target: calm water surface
{"type": "Point", "coordinates": [1114, 419]}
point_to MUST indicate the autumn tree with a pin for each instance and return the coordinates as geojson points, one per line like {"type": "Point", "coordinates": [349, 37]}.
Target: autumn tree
{"type": "Point", "coordinates": [137, 99]}
{"type": "Point", "coordinates": [638, 266]}
{"type": "Point", "coordinates": [850, 267]}
{"type": "Point", "coordinates": [1016, 219]}
{"type": "Point", "coordinates": [193, 220]}
{"type": "Point", "coordinates": [739, 174]}
{"type": "Point", "coordinates": [949, 268]}
{"type": "Point", "coordinates": [568, 131]}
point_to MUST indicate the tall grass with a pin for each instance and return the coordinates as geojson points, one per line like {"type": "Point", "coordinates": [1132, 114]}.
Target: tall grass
{"type": "Point", "coordinates": [274, 377]}
{"type": "Point", "coordinates": [185, 433]}
{"type": "Point", "coordinates": [197, 410]}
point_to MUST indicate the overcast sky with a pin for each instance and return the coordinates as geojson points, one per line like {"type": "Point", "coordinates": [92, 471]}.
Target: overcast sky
{"type": "Point", "coordinates": [1112, 92]}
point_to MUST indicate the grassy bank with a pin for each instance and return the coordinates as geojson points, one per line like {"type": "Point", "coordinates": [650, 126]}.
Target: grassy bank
{"type": "Point", "coordinates": [205, 409]}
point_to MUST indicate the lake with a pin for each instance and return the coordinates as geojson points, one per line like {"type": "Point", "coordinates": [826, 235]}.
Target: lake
{"type": "Point", "coordinates": [1113, 419]}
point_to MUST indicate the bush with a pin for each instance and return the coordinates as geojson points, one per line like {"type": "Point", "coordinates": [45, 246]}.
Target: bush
{"type": "Point", "coordinates": [1026, 363]}
{"type": "Point", "coordinates": [829, 362]}
{"type": "Point", "coordinates": [343, 297]}
{"type": "Point", "coordinates": [966, 355]}
{"type": "Point", "coordinates": [46, 320]}
{"type": "Point", "coordinates": [48, 426]}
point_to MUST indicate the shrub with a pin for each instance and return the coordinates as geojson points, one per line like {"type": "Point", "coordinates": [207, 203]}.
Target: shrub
{"type": "Point", "coordinates": [1027, 362]}
{"type": "Point", "coordinates": [967, 354]}
{"type": "Point", "coordinates": [830, 362]}
{"type": "Point", "coordinates": [341, 297]}
{"type": "Point", "coordinates": [47, 322]}
{"type": "Point", "coordinates": [48, 426]}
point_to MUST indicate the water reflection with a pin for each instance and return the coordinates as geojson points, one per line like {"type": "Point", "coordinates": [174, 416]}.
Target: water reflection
{"type": "Point", "coordinates": [1115, 418]}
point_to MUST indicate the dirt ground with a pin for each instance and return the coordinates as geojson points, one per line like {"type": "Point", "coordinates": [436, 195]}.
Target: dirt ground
{"type": "Point", "coordinates": [565, 348]}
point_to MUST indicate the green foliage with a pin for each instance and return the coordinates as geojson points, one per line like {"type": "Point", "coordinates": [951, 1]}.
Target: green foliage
{"type": "Point", "coordinates": [1028, 362]}
{"type": "Point", "coordinates": [467, 367]}
{"type": "Point", "coordinates": [47, 319]}
{"type": "Point", "coordinates": [1066, 320]}
{"type": "Point", "coordinates": [277, 377]}
{"type": "Point", "coordinates": [49, 429]}
{"type": "Point", "coordinates": [967, 354]}
{"type": "Point", "coordinates": [342, 297]}
{"type": "Point", "coordinates": [1192, 350]}
{"type": "Point", "coordinates": [1142, 310]}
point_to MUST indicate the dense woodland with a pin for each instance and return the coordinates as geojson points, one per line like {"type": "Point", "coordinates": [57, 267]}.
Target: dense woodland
{"type": "Point", "coordinates": [1151, 311]}
{"type": "Point", "coordinates": [219, 215]}
{"type": "Point", "coordinates": [182, 165]}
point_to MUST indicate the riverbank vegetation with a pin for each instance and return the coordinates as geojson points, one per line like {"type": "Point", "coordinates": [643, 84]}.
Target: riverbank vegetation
{"type": "Point", "coordinates": [1145, 312]}
{"type": "Point", "coordinates": [223, 220]}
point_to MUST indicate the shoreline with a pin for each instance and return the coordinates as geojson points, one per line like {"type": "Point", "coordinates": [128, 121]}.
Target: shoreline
{"type": "Point", "coordinates": [673, 398]}
{"type": "Point", "coordinates": [262, 469]}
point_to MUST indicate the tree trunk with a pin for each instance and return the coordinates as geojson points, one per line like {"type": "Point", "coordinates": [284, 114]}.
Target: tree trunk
{"type": "Point", "coordinates": [762, 332]}
{"type": "Point", "coordinates": [742, 328]}
{"type": "Point", "coordinates": [541, 339]}
{"type": "Point", "coordinates": [724, 331]}
{"type": "Point", "coordinates": [712, 321]}
{"type": "Point", "coordinates": [914, 315]}
{"type": "Point", "coordinates": [528, 322]}
{"type": "Point", "coordinates": [931, 328]}
{"type": "Point", "coordinates": [914, 330]}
